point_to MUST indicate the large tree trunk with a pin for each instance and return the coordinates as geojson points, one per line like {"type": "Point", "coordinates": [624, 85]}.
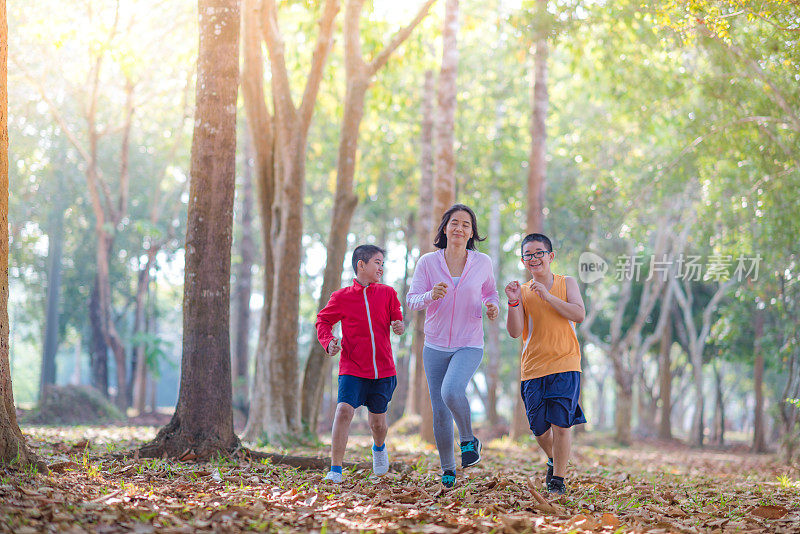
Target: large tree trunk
{"type": "Point", "coordinates": [203, 419]}
{"type": "Point", "coordinates": [274, 411]}
{"type": "Point", "coordinates": [493, 327]}
{"type": "Point", "coordinates": [444, 188]}
{"type": "Point", "coordinates": [759, 433]}
{"type": "Point", "coordinates": [12, 444]}
{"type": "Point", "coordinates": [54, 253]}
{"type": "Point", "coordinates": [244, 286]}
{"type": "Point", "coordinates": [99, 350]}
{"type": "Point", "coordinates": [665, 383]}
{"type": "Point", "coordinates": [359, 75]}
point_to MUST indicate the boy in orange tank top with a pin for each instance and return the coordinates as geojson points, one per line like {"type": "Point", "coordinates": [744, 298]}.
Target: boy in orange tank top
{"type": "Point", "coordinates": [544, 312]}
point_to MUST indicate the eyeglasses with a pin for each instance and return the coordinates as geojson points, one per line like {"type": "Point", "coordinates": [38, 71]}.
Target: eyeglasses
{"type": "Point", "coordinates": [538, 254]}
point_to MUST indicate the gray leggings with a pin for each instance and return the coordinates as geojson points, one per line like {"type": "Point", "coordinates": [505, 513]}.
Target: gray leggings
{"type": "Point", "coordinates": [448, 374]}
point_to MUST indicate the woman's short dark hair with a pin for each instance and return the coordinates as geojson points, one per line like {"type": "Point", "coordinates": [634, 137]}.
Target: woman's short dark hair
{"type": "Point", "coordinates": [441, 239]}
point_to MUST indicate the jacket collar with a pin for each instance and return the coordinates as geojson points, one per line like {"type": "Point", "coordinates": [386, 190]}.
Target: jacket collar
{"type": "Point", "coordinates": [357, 285]}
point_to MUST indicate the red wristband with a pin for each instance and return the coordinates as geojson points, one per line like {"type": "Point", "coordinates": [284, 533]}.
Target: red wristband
{"type": "Point", "coordinates": [513, 304]}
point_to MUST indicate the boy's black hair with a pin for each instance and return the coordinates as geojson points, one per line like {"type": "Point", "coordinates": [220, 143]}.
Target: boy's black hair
{"type": "Point", "coordinates": [365, 253]}
{"type": "Point", "coordinates": [441, 239]}
{"type": "Point", "coordinates": [541, 238]}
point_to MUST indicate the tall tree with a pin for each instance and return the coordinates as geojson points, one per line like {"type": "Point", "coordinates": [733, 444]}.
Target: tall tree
{"type": "Point", "coordinates": [359, 75]}
{"type": "Point", "coordinates": [13, 448]}
{"type": "Point", "coordinates": [273, 399]}
{"type": "Point", "coordinates": [203, 419]}
{"type": "Point", "coordinates": [244, 280]}
{"type": "Point", "coordinates": [55, 246]}
{"type": "Point", "coordinates": [444, 187]}
{"type": "Point", "coordinates": [697, 336]}
{"type": "Point", "coordinates": [537, 159]}
{"type": "Point", "coordinates": [425, 234]}
{"type": "Point", "coordinates": [665, 382]}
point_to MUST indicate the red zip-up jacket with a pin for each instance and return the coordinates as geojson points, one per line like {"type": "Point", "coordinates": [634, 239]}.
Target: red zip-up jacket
{"type": "Point", "coordinates": [366, 313]}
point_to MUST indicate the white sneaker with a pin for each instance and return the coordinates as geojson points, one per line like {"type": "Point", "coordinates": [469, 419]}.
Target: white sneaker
{"type": "Point", "coordinates": [333, 477]}
{"type": "Point", "coordinates": [380, 461]}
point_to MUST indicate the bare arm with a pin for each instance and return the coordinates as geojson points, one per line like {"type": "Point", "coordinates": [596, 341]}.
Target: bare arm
{"type": "Point", "coordinates": [515, 319]}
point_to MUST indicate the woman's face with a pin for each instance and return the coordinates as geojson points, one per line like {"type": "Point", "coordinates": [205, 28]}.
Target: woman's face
{"type": "Point", "coordinates": [458, 229]}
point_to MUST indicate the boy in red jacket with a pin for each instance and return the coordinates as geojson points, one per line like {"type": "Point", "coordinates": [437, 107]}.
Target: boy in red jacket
{"type": "Point", "coordinates": [367, 310]}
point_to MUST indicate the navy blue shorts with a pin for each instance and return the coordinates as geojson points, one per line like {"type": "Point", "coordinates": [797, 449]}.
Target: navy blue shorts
{"type": "Point", "coordinates": [552, 400]}
{"type": "Point", "coordinates": [374, 393]}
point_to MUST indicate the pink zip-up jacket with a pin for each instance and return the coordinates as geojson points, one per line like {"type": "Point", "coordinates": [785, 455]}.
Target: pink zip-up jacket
{"type": "Point", "coordinates": [456, 319]}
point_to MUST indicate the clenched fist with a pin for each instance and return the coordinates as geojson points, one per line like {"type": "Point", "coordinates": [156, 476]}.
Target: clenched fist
{"type": "Point", "coordinates": [491, 311]}
{"type": "Point", "coordinates": [398, 327]}
{"type": "Point", "coordinates": [514, 290]}
{"type": "Point", "coordinates": [334, 346]}
{"type": "Point", "coordinates": [439, 291]}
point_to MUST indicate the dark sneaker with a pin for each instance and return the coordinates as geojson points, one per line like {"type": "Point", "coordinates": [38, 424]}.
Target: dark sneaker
{"type": "Point", "coordinates": [549, 475]}
{"type": "Point", "coordinates": [556, 487]}
{"type": "Point", "coordinates": [470, 452]}
{"type": "Point", "coordinates": [449, 479]}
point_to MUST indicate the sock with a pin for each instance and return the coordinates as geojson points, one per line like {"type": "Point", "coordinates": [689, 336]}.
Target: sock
{"type": "Point", "coordinates": [558, 479]}
{"type": "Point", "coordinates": [550, 462]}
{"type": "Point", "coordinates": [336, 469]}
{"type": "Point", "coordinates": [378, 449]}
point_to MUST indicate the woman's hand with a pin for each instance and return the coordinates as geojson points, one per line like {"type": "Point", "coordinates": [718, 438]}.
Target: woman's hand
{"type": "Point", "coordinates": [492, 311]}
{"type": "Point", "coordinates": [439, 291]}
{"type": "Point", "coordinates": [514, 290]}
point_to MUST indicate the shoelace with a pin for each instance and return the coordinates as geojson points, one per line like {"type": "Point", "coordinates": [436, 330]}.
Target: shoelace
{"type": "Point", "coordinates": [468, 447]}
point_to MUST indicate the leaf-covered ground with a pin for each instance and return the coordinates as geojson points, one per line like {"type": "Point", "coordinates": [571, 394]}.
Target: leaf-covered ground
{"type": "Point", "coordinates": [648, 488]}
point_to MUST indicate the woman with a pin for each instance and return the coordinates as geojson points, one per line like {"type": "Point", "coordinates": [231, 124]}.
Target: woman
{"type": "Point", "coordinates": [451, 285]}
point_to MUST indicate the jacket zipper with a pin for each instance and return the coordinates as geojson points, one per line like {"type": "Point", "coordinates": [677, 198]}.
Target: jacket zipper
{"type": "Point", "coordinates": [371, 334]}
{"type": "Point", "coordinates": [453, 313]}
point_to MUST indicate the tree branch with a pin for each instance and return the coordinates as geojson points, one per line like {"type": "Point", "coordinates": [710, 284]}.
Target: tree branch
{"type": "Point", "coordinates": [383, 56]}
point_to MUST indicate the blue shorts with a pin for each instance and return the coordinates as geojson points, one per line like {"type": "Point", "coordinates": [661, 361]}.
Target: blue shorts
{"type": "Point", "coordinates": [552, 400]}
{"type": "Point", "coordinates": [374, 393]}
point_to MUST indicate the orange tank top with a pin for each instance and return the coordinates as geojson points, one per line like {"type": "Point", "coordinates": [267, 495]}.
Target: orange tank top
{"type": "Point", "coordinates": [549, 343]}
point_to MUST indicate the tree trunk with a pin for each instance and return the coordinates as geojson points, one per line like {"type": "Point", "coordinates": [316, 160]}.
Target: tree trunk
{"type": "Point", "coordinates": [139, 385]}
{"type": "Point", "coordinates": [759, 433]}
{"type": "Point", "coordinates": [400, 397]}
{"type": "Point", "coordinates": [718, 426]}
{"type": "Point", "coordinates": [13, 449]}
{"type": "Point", "coordinates": [665, 383]}
{"type": "Point", "coordinates": [537, 162]}
{"type": "Point", "coordinates": [537, 168]}
{"type": "Point", "coordinates": [99, 350]}
{"type": "Point", "coordinates": [244, 286]}
{"type": "Point", "coordinates": [444, 188]}
{"type": "Point", "coordinates": [698, 419]}
{"type": "Point", "coordinates": [493, 327]}
{"type": "Point", "coordinates": [203, 419]}
{"type": "Point", "coordinates": [274, 410]}
{"type": "Point", "coordinates": [261, 129]}
{"type": "Point", "coordinates": [54, 253]}
{"type": "Point", "coordinates": [420, 397]}
{"type": "Point", "coordinates": [624, 405]}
